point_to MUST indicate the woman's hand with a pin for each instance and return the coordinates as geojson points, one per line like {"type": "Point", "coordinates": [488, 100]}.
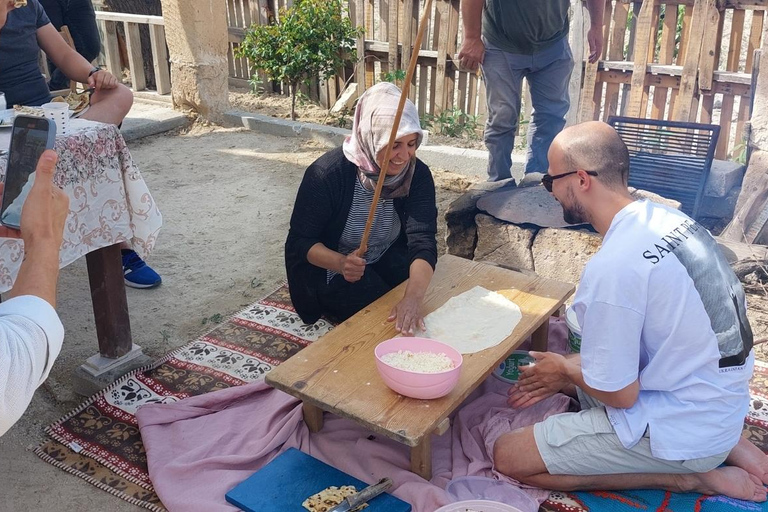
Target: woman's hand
{"type": "Point", "coordinates": [102, 80]}
{"type": "Point", "coordinates": [407, 316]}
{"type": "Point", "coordinates": [353, 267]}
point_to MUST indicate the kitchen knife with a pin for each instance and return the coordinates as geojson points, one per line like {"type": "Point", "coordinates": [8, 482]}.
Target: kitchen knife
{"type": "Point", "coordinates": [363, 496]}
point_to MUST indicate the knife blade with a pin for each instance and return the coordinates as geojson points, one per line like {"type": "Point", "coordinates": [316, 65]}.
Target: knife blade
{"type": "Point", "coordinates": [363, 496]}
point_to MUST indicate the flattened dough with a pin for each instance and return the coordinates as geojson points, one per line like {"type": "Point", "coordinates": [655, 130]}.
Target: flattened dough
{"type": "Point", "coordinates": [473, 321]}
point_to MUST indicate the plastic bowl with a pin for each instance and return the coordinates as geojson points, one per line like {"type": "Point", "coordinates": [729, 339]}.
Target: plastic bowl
{"type": "Point", "coordinates": [483, 488]}
{"type": "Point", "coordinates": [423, 386]}
{"type": "Point", "coordinates": [479, 506]}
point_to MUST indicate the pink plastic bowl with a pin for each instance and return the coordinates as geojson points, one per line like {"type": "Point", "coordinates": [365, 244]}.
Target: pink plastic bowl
{"type": "Point", "coordinates": [414, 384]}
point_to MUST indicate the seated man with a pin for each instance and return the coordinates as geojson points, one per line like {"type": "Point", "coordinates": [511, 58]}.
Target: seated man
{"type": "Point", "coordinates": [666, 353]}
{"type": "Point", "coordinates": [31, 333]}
{"type": "Point", "coordinates": [23, 32]}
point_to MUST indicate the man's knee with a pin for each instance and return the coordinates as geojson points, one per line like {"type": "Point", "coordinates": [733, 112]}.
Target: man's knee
{"type": "Point", "coordinates": [509, 454]}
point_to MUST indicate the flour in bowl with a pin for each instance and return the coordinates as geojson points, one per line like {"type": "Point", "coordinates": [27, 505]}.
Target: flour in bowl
{"type": "Point", "coordinates": [420, 362]}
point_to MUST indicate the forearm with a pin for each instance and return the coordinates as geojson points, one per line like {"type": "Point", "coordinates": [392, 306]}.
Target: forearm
{"type": "Point", "coordinates": [596, 10]}
{"type": "Point", "coordinates": [321, 256]}
{"type": "Point", "coordinates": [39, 272]}
{"type": "Point", "coordinates": [73, 65]}
{"type": "Point", "coordinates": [472, 14]}
{"type": "Point", "coordinates": [420, 274]}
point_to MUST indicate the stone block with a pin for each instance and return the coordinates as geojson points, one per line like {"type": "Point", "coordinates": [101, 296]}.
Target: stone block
{"type": "Point", "coordinates": [347, 99]}
{"type": "Point", "coordinates": [461, 231]}
{"type": "Point", "coordinates": [720, 207]}
{"type": "Point", "coordinates": [503, 243]}
{"type": "Point", "coordinates": [562, 253]}
{"type": "Point", "coordinates": [85, 383]}
{"type": "Point", "coordinates": [723, 176]}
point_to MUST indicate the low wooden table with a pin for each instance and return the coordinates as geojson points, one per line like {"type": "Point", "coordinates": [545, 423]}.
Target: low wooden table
{"type": "Point", "coordinates": [338, 372]}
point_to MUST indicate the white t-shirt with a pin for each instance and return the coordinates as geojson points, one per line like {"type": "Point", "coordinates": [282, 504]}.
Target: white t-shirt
{"type": "Point", "coordinates": [31, 335]}
{"type": "Point", "coordinates": [659, 302]}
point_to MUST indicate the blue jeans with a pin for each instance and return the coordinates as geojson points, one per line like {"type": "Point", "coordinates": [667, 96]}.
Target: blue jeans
{"type": "Point", "coordinates": [548, 73]}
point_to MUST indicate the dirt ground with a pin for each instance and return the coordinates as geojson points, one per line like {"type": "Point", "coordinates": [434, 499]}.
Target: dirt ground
{"type": "Point", "coordinates": [226, 197]}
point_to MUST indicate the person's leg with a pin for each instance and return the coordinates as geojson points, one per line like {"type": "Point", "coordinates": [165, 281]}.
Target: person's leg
{"type": "Point", "coordinates": [394, 265]}
{"type": "Point", "coordinates": [502, 93]}
{"type": "Point", "coordinates": [516, 454]}
{"type": "Point", "coordinates": [110, 106]}
{"type": "Point", "coordinates": [341, 299]}
{"type": "Point", "coordinates": [550, 100]}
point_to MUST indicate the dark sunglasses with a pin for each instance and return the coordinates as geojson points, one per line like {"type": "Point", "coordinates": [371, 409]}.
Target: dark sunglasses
{"type": "Point", "coordinates": [547, 179]}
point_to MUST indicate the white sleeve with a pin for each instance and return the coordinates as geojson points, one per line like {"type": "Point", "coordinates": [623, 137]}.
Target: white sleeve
{"type": "Point", "coordinates": [31, 336]}
{"type": "Point", "coordinates": [610, 346]}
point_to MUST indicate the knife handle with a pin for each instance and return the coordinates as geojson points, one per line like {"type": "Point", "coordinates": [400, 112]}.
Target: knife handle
{"type": "Point", "coordinates": [370, 492]}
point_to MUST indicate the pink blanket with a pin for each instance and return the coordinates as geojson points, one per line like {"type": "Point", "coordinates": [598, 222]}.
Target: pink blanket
{"type": "Point", "coordinates": [201, 447]}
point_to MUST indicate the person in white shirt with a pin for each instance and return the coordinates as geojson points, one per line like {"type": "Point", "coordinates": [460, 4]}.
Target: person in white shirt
{"type": "Point", "coordinates": [666, 350]}
{"type": "Point", "coordinates": [31, 333]}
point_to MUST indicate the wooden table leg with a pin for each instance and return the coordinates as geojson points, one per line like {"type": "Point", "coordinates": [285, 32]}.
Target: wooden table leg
{"type": "Point", "coordinates": [421, 458]}
{"type": "Point", "coordinates": [313, 417]}
{"type": "Point", "coordinates": [110, 304]}
{"type": "Point", "coordinates": [540, 337]}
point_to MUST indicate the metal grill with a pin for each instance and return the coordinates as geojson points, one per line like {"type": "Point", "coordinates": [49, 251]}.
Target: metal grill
{"type": "Point", "coordinates": [669, 158]}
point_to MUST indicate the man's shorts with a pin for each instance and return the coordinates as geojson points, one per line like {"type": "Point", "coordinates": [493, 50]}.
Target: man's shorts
{"type": "Point", "coordinates": [584, 443]}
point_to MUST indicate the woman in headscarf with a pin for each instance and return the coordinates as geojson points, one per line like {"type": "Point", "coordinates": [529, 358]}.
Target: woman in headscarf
{"type": "Point", "coordinates": [325, 275]}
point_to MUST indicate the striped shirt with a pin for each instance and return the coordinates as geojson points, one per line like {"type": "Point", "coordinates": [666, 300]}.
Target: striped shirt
{"type": "Point", "coordinates": [384, 232]}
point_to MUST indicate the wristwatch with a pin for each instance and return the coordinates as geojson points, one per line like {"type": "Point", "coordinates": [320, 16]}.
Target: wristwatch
{"type": "Point", "coordinates": [94, 70]}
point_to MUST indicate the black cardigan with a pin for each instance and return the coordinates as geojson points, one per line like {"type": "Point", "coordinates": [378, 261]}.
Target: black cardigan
{"type": "Point", "coordinates": [320, 213]}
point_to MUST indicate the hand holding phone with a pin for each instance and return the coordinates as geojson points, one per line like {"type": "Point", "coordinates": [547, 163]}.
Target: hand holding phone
{"type": "Point", "coordinates": [29, 138]}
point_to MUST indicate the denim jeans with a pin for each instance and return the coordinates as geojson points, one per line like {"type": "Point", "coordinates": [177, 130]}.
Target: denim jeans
{"type": "Point", "coordinates": [341, 299]}
{"type": "Point", "coordinates": [548, 73]}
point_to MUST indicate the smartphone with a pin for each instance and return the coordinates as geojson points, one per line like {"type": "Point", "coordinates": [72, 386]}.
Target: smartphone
{"type": "Point", "coordinates": [29, 138]}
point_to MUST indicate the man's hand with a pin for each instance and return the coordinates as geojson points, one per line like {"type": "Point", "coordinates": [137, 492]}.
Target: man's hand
{"type": "Point", "coordinates": [46, 207]}
{"type": "Point", "coordinates": [102, 80]}
{"type": "Point", "coordinates": [407, 316]}
{"type": "Point", "coordinates": [353, 267]}
{"type": "Point", "coordinates": [546, 377]}
{"type": "Point", "coordinates": [5, 7]}
{"type": "Point", "coordinates": [595, 38]}
{"type": "Point", "coordinates": [472, 53]}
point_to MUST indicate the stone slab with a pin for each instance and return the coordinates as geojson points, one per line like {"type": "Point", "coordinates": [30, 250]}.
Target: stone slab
{"type": "Point", "coordinates": [151, 118]}
{"type": "Point", "coordinates": [97, 364]}
{"type": "Point", "coordinates": [720, 207]}
{"type": "Point", "coordinates": [503, 243]}
{"type": "Point", "coordinates": [347, 99]}
{"type": "Point", "coordinates": [723, 177]}
{"type": "Point", "coordinates": [528, 206]}
{"type": "Point", "coordinates": [562, 254]}
{"type": "Point", "coordinates": [86, 384]}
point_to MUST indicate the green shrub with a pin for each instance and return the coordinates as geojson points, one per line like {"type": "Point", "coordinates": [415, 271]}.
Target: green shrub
{"type": "Point", "coordinates": [311, 39]}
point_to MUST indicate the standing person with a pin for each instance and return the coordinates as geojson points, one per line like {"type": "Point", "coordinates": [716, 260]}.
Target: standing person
{"type": "Point", "coordinates": [80, 19]}
{"type": "Point", "coordinates": [31, 333]}
{"type": "Point", "coordinates": [326, 276]}
{"type": "Point", "coordinates": [516, 39]}
{"type": "Point", "coordinates": [666, 349]}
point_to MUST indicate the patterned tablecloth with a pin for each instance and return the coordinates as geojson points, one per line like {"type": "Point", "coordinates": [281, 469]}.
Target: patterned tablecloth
{"type": "Point", "coordinates": [109, 201]}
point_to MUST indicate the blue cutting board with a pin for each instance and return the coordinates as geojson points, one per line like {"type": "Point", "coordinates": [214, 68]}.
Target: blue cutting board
{"type": "Point", "coordinates": [292, 477]}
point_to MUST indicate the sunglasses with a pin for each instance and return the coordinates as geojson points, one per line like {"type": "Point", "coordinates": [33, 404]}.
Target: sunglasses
{"type": "Point", "coordinates": [547, 179]}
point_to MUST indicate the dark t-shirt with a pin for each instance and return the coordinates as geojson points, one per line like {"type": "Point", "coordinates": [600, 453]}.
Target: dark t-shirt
{"type": "Point", "coordinates": [525, 26]}
{"type": "Point", "coordinates": [20, 76]}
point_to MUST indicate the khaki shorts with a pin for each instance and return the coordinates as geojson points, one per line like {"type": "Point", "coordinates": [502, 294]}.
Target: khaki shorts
{"type": "Point", "coordinates": [584, 443]}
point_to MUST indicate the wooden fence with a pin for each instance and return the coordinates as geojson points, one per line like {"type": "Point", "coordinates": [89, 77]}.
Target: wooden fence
{"type": "Point", "coordinates": [695, 63]}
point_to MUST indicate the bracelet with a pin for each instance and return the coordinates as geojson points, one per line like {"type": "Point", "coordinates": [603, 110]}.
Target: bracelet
{"type": "Point", "coordinates": [94, 70]}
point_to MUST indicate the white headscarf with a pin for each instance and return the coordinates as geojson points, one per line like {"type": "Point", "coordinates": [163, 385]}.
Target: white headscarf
{"type": "Point", "coordinates": [374, 115]}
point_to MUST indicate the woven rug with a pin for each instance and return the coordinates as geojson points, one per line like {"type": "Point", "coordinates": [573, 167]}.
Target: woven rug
{"type": "Point", "coordinates": [100, 442]}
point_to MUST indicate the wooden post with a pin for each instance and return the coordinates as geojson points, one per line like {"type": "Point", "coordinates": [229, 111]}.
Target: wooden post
{"type": "Point", "coordinates": [540, 337]}
{"type": "Point", "coordinates": [110, 304]}
{"type": "Point", "coordinates": [133, 41]}
{"type": "Point", "coordinates": [360, 70]}
{"type": "Point", "coordinates": [616, 52]}
{"type": "Point", "coordinates": [313, 417]}
{"type": "Point", "coordinates": [642, 40]}
{"type": "Point", "coordinates": [442, 55]}
{"type": "Point", "coordinates": [160, 58]}
{"type": "Point", "coordinates": [577, 37]}
{"type": "Point", "coordinates": [688, 95]}
{"type": "Point", "coordinates": [111, 50]}
{"type": "Point", "coordinates": [421, 458]}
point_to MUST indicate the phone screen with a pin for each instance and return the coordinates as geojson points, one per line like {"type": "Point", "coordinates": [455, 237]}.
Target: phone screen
{"type": "Point", "coordinates": [30, 137]}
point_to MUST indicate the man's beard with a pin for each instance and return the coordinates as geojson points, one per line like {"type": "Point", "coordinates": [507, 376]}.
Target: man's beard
{"type": "Point", "coordinates": [575, 213]}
